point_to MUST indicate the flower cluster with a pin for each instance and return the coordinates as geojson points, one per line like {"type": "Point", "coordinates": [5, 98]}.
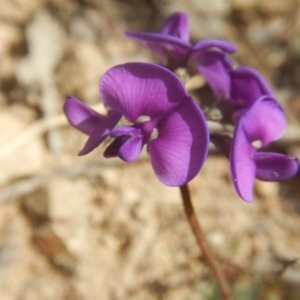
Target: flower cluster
{"type": "Point", "coordinates": [162, 115]}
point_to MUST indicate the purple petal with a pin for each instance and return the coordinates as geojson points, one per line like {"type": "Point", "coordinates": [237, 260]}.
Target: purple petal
{"type": "Point", "coordinates": [122, 130]}
{"type": "Point", "coordinates": [81, 116]}
{"type": "Point", "coordinates": [264, 121]}
{"type": "Point", "coordinates": [179, 151]}
{"type": "Point", "coordinates": [112, 150]}
{"type": "Point", "coordinates": [215, 67]}
{"type": "Point", "coordinates": [101, 132]}
{"type": "Point", "coordinates": [275, 166]}
{"type": "Point", "coordinates": [127, 146]}
{"type": "Point", "coordinates": [159, 39]}
{"type": "Point", "coordinates": [242, 165]}
{"type": "Point", "coordinates": [177, 25]}
{"type": "Point", "coordinates": [247, 86]}
{"type": "Point", "coordinates": [131, 149]}
{"type": "Point", "coordinates": [209, 44]}
{"type": "Point", "coordinates": [165, 46]}
{"type": "Point", "coordinates": [141, 89]}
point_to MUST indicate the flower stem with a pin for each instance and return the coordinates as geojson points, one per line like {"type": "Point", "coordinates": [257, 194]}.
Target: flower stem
{"type": "Point", "coordinates": [204, 247]}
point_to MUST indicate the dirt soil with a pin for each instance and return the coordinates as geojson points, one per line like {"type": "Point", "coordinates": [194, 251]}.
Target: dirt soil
{"type": "Point", "coordinates": [82, 228]}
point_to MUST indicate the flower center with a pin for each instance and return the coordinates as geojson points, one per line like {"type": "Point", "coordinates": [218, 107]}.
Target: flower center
{"type": "Point", "coordinates": [257, 144]}
{"type": "Point", "coordinates": [147, 129]}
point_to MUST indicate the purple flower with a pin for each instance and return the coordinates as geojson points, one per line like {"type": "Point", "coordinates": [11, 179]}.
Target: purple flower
{"type": "Point", "coordinates": [162, 116]}
{"type": "Point", "coordinates": [86, 120]}
{"type": "Point", "coordinates": [248, 85]}
{"type": "Point", "coordinates": [235, 90]}
{"type": "Point", "coordinates": [172, 42]}
{"type": "Point", "coordinates": [263, 123]}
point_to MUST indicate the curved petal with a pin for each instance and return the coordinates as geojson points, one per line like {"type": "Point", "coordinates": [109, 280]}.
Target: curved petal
{"type": "Point", "coordinates": [208, 44]}
{"type": "Point", "coordinates": [122, 130]}
{"type": "Point", "coordinates": [242, 165]}
{"type": "Point", "coordinates": [264, 121]}
{"type": "Point", "coordinates": [215, 67]}
{"type": "Point", "coordinates": [101, 132]}
{"type": "Point", "coordinates": [112, 150]}
{"type": "Point", "coordinates": [275, 166]}
{"type": "Point", "coordinates": [247, 86]}
{"type": "Point", "coordinates": [141, 89]}
{"type": "Point", "coordinates": [165, 46]}
{"type": "Point", "coordinates": [160, 39]}
{"type": "Point", "coordinates": [131, 149]}
{"type": "Point", "coordinates": [177, 25]}
{"type": "Point", "coordinates": [127, 146]}
{"type": "Point", "coordinates": [81, 116]}
{"type": "Point", "coordinates": [179, 151]}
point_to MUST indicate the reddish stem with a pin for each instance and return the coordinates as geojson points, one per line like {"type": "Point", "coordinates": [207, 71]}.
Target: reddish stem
{"type": "Point", "coordinates": [204, 247]}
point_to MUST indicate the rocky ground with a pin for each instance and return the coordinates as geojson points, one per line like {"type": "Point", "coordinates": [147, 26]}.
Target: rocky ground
{"type": "Point", "coordinates": [89, 228]}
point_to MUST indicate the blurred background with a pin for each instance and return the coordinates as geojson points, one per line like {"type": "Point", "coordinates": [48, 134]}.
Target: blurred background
{"type": "Point", "coordinates": [89, 228]}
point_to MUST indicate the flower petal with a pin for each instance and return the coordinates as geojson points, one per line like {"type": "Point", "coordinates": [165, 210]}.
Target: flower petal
{"type": "Point", "coordinates": [179, 151]}
{"type": "Point", "coordinates": [81, 116]}
{"type": "Point", "coordinates": [247, 86]}
{"type": "Point", "coordinates": [131, 149]}
{"type": "Point", "coordinates": [242, 165]}
{"type": "Point", "coordinates": [163, 45]}
{"type": "Point", "coordinates": [122, 130]}
{"type": "Point", "coordinates": [209, 44]}
{"type": "Point", "coordinates": [127, 145]}
{"type": "Point", "coordinates": [215, 67]}
{"type": "Point", "coordinates": [275, 166]}
{"type": "Point", "coordinates": [264, 121]}
{"type": "Point", "coordinates": [141, 89]}
{"type": "Point", "coordinates": [112, 150]}
{"type": "Point", "coordinates": [177, 25]}
{"type": "Point", "coordinates": [101, 132]}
